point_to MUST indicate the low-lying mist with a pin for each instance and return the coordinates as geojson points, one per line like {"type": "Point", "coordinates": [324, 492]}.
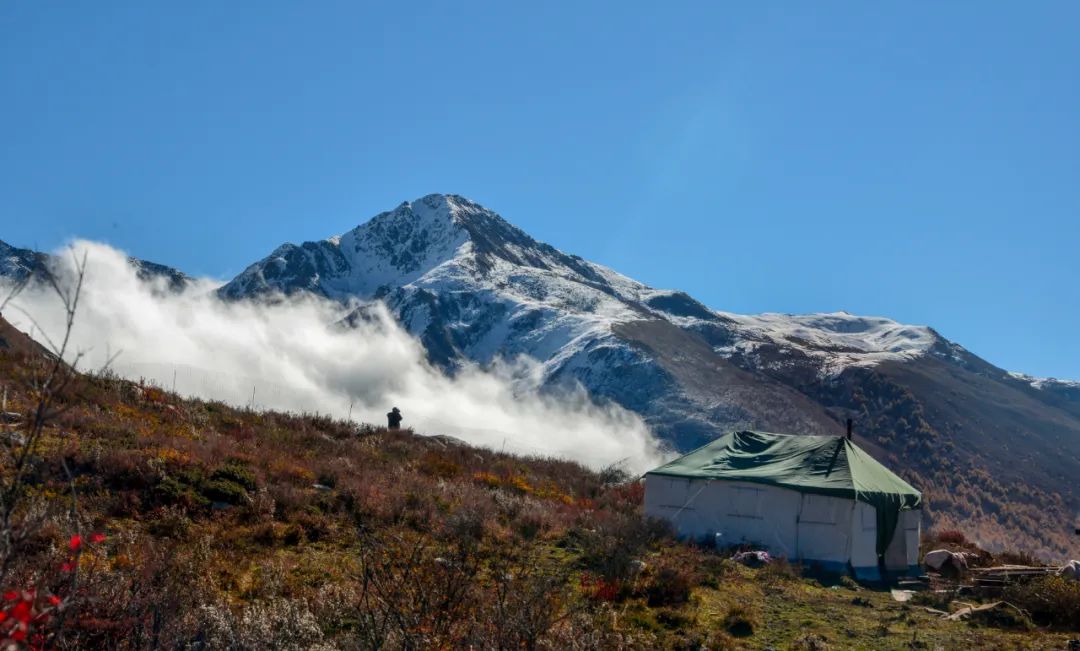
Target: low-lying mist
{"type": "Point", "coordinates": [292, 355]}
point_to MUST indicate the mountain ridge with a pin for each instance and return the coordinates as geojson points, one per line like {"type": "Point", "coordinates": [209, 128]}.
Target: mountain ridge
{"type": "Point", "coordinates": [20, 264]}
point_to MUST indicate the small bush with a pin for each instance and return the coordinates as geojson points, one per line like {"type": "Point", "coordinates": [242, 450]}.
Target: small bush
{"type": "Point", "coordinates": [529, 527]}
{"type": "Point", "coordinates": [436, 465]}
{"type": "Point", "coordinates": [669, 587]}
{"type": "Point", "coordinates": [491, 480]}
{"type": "Point", "coordinates": [952, 536]}
{"type": "Point", "coordinates": [673, 619]}
{"type": "Point", "coordinates": [939, 600]}
{"type": "Point", "coordinates": [1050, 600]}
{"type": "Point", "coordinates": [315, 526]}
{"type": "Point", "coordinates": [810, 642]}
{"type": "Point", "coordinates": [170, 523]}
{"type": "Point", "coordinates": [597, 588]}
{"type": "Point", "coordinates": [614, 474]}
{"type": "Point", "coordinates": [122, 469]}
{"type": "Point", "coordinates": [292, 535]}
{"type": "Point", "coordinates": [237, 474]}
{"type": "Point", "coordinates": [612, 545]}
{"type": "Point", "coordinates": [1017, 558]}
{"type": "Point", "coordinates": [173, 492]}
{"type": "Point", "coordinates": [780, 570]}
{"type": "Point", "coordinates": [223, 490]}
{"type": "Point", "coordinates": [740, 621]}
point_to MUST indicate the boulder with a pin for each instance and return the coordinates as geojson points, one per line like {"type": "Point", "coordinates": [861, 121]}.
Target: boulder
{"type": "Point", "coordinates": [943, 560]}
{"type": "Point", "coordinates": [752, 559]}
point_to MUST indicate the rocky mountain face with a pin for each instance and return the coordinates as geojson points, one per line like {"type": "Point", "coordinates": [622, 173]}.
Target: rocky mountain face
{"type": "Point", "coordinates": [997, 454]}
{"type": "Point", "coordinates": [18, 264]}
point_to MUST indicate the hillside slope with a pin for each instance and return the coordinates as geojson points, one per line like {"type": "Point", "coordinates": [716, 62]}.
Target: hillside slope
{"type": "Point", "coordinates": [205, 527]}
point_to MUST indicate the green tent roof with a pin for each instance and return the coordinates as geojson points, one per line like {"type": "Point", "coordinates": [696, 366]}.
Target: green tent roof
{"type": "Point", "coordinates": [826, 465]}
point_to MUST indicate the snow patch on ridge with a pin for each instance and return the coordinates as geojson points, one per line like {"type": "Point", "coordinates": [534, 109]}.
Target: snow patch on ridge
{"type": "Point", "coordinates": [1044, 382]}
{"type": "Point", "coordinates": [840, 339]}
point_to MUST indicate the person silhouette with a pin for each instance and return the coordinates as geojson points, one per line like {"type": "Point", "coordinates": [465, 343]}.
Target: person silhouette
{"type": "Point", "coordinates": [394, 418]}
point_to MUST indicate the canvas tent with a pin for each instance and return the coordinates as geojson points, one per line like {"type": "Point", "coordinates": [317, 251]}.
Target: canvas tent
{"type": "Point", "coordinates": [816, 499]}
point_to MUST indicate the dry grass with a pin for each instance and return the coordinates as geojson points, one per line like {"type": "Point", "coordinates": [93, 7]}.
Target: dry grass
{"type": "Point", "coordinates": [259, 530]}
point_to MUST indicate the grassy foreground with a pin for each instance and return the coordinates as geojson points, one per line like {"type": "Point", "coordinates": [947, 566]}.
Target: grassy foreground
{"type": "Point", "coordinates": [201, 526]}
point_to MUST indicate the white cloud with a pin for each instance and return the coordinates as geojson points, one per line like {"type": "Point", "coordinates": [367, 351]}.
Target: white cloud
{"type": "Point", "coordinates": [296, 359]}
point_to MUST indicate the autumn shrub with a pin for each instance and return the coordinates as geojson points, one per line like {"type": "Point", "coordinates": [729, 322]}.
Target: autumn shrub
{"type": "Point", "coordinates": [598, 588]}
{"type": "Point", "coordinates": [610, 544]}
{"type": "Point", "coordinates": [288, 499]}
{"type": "Point", "coordinates": [623, 498]}
{"type": "Point", "coordinates": [436, 464]}
{"type": "Point", "coordinates": [418, 591]}
{"type": "Point", "coordinates": [741, 621]}
{"type": "Point", "coordinates": [121, 469]}
{"type": "Point", "coordinates": [779, 570]}
{"type": "Point", "coordinates": [952, 536]}
{"type": "Point", "coordinates": [530, 527]}
{"type": "Point", "coordinates": [673, 619]}
{"type": "Point", "coordinates": [170, 522]}
{"type": "Point", "coordinates": [1012, 557]}
{"type": "Point", "coordinates": [224, 491]}
{"type": "Point", "coordinates": [696, 640]}
{"type": "Point", "coordinates": [938, 600]}
{"type": "Point", "coordinates": [315, 526]}
{"type": "Point", "coordinates": [465, 526]}
{"type": "Point", "coordinates": [812, 642]}
{"type": "Point", "coordinates": [236, 473]}
{"type": "Point", "coordinates": [613, 474]}
{"type": "Point", "coordinates": [525, 599]}
{"type": "Point", "coordinates": [1049, 600]}
{"type": "Point", "coordinates": [273, 624]}
{"type": "Point", "coordinates": [669, 586]}
{"type": "Point", "coordinates": [172, 491]}
{"type": "Point", "coordinates": [489, 479]}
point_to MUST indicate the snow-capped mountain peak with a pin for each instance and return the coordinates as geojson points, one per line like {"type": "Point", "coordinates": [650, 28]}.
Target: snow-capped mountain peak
{"type": "Point", "coordinates": [448, 246]}
{"type": "Point", "coordinates": [398, 247]}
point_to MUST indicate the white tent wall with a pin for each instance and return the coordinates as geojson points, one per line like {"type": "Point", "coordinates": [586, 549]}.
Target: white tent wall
{"type": "Point", "coordinates": [902, 554]}
{"type": "Point", "coordinates": [825, 531]}
{"type": "Point", "coordinates": [828, 531]}
{"type": "Point", "coordinates": [741, 512]}
{"type": "Point", "coordinates": [864, 560]}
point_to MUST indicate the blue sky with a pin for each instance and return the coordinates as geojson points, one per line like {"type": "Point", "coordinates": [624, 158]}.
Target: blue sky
{"type": "Point", "coordinates": [918, 162]}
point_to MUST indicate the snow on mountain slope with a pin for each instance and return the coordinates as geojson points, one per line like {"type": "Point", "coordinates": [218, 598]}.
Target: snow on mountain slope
{"type": "Point", "coordinates": [511, 295]}
{"type": "Point", "coordinates": [16, 263]}
{"type": "Point", "coordinates": [840, 340]}
{"type": "Point", "coordinates": [1045, 382]}
{"type": "Point", "coordinates": [549, 304]}
{"type": "Point", "coordinates": [473, 287]}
